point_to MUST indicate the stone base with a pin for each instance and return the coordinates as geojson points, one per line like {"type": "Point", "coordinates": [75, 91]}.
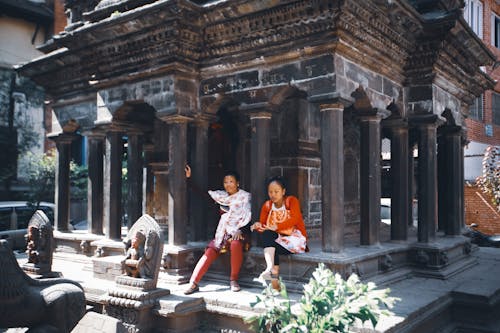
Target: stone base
{"type": "Point", "coordinates": [75, 242]}
{"type": "Point", "coordinates": [39, 272]}
{"type": "Point", "coordinates": [178, 262]}
{"type": "Point", "coordinates": [107, 247]}
{"type": "Point", "coordinates": [132, 304]}
{"type": "Point", "coordinates": [442, 259]}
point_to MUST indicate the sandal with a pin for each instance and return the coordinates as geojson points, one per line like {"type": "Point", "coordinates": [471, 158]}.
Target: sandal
{"type": "Point", "coordinates": [268, 276]}
{"type": "Point", "coordinates": [235, 287]}
{"type": "Point", "coordinates": [194, 288]}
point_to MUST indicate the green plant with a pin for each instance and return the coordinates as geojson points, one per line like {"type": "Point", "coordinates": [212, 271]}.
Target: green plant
{"type": "Point", "coordinates": [41, 171]}
{"type": "Point", "coordinates": [329, 304]}
{"type": "Point", "coordinates": [489, 181]}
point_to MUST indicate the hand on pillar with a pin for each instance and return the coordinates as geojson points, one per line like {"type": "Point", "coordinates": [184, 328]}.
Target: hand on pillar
{"type": "Point", "coordinates": [187, 169]}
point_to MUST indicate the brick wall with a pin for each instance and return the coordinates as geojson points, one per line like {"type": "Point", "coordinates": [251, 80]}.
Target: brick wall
{"type": "Point", "coordinates": [476, 128]}
{"type": "Point", "coordinates": [60, 19]}
{"type": "Point", "coordinates": [479, 210]}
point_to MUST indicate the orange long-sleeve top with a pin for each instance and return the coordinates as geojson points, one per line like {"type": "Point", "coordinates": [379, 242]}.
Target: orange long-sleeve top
{"type": "Point", "coordinates": [295, 217]}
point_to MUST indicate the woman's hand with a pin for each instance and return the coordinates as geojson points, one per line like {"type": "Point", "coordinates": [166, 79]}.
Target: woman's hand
{"type": "Point", "coordinates": [187, 169]}
{"type": "Point", "coordinates": [257, 226]}
{"type": "Point", "coordinates": [237, 235]}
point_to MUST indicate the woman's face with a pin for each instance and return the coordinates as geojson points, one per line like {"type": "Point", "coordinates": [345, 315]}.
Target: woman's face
{"type": "Point", "coordinates": [276, 193]}
{"type": "Point", "coordinates": [230, 184]}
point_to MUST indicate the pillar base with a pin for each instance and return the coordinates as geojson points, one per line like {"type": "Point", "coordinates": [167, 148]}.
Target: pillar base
{"type": "Point", "coordinates": [178, 261]}
{"type": "Point", "coordinates": [441, 259]}
{"type": "Point", "coordinates": [131, 301]}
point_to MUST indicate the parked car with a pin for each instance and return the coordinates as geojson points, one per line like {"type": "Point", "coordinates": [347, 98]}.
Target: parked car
{"type": "Point", "coordinates": [385, 211]}
{"type": "Point", "coordinates": [14, 219]}
{"type": "Point", "coordinates": [477, 237]}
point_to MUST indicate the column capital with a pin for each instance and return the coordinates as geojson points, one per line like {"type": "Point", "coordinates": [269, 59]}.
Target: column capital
{"type": "Point", "coordinates": [95, 134]}
{"type": "Point", "coordinates": [452, 130]}
{"type": "Point", "coordinates": [256, 108]}
{"type": "Point", "coordinates": [203, 119]}
{"type": "Point", "coordinates": [374, 114]}
{"type": "Point", "coordinates": [260, 115]}
{"type": "Point", "coordinates": [175, 119]}
{"type": "Point", "coordinates": [63, 138]}
{"type": "Point", "coordinates": [425, 120]}
{"type": "Point", "coordinates": [330, 101]}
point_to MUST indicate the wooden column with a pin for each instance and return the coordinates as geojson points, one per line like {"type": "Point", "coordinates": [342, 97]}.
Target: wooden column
{"type": "Point", "coordinates": [135, 177]}
{"type": "Point", "coordinates": [95, 195]}
{"type": "Point", "coordinates": [399, 182]}
{"type": "Point", "coordinates": [427, 178]}
{"type": "Point", "coordinates": [113, 185]}
{"type": "Point", "coordinates": [370, 186]}
{"type": "Point", "coordinates": [450, 180]}
{"type": "Point", "coordinates": [332, 172]}
{"type": "Point", "coordinates": [177, 189]}
{"type": "Point", "coordinates": [149, 181]}
{"type": "Point", "coordinates": [198, 209]}
{"type": "Point", "coordinates": [62, 183]}
{"type": "Point", "coordinates": [260, 151]}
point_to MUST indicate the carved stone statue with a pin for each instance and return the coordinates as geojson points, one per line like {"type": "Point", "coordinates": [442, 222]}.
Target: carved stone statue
{"type": "Point", "coordinates": [39, 245]}
{"type": "Point", "coordinates": [133, 264]}
{"type": "Point", "coordinates": [143, 250]}
{"type": "Point", "coordinates": [43, 305]}
{"type": "Point", "coordinates": [135, 292]}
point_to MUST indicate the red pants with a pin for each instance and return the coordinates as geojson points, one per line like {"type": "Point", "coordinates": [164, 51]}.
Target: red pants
{"type": "Point", "coordinates": [211, 254]}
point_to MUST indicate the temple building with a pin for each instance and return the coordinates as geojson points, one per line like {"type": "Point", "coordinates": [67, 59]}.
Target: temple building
{"type": "Point", "coordinates": [303, 89]}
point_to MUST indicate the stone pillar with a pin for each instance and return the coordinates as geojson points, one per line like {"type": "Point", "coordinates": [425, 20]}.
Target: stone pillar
{"type": "Point", "coordinates": [370, 187]}
{"type": "Point", "coordinates": [332, 173]}
{"type": "Point", "coordinates": [113, 185]}
{"type": "Point", "coordinates": [177, 187]}
{"type": "Point", "coordinates": [463, 142]}
{"type": "Point", "coordinates": [135, 177]}
{"type": "Point", "coordinates": [411, 176]}
{"type": "Point", "coordinates": [260, 155]}
{"type": "Point", "coordinates": [399, 182]}
{"type": "Point", "coordinates": [427, 179]}
{"type": "Point", "coordinates": [199, 176]}
{"type": "Point", "coordinates": [95, 158]}
{"type": "Point", "coordinates": [62, 183]}
{"type": "Point", "coordinates": [450, 181]}
{"type": "Point", "coordinates": [149, 182]}
{"type": "Point", "coordinates": [160, 166]}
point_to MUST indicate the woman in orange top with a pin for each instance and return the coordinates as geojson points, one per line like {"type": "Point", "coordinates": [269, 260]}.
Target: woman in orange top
{"type": "Point", "coordinates": [282, 227]}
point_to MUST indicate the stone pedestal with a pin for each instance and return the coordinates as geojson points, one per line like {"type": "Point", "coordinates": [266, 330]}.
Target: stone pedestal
{"type": "Point", "coordinates": [442, 259]}
{"type": "Point", "coordinates": [178, 261]}
{"type": "Point", "coordinates": [132, 300]}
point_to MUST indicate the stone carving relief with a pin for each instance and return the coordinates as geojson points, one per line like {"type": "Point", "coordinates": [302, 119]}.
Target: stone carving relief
{"type": "Point", "coordinates": [39, 244]}
{"type": "Point", "coordinates": [135, 291]}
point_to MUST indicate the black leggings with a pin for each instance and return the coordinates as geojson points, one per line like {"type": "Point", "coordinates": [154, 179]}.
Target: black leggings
{"type": "Point", "coordinates": [268, 240]}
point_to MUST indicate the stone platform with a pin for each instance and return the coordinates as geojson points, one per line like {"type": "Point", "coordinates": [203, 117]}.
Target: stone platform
{"type": "Point", "coordinates": [466, 301]}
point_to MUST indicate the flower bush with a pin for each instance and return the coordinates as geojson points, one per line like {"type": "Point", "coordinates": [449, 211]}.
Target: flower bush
{"type": "Point", "coordinates": [489, 181]}
{"type": "Point", "coordinates": [329, 304]}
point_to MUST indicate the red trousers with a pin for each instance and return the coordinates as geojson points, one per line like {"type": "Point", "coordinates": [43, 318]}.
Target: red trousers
{"type": "Point", "coordinates": [211, 254]}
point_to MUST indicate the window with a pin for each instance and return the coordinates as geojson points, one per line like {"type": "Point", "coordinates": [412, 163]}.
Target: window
{"type": "Point", "coordinates": [495, 107]}
{"type": "Point", "coordinates": [495, 31]}
{"type": "Point", "coordinates": [476, 109]}
{"type": "Point", "coordinates": [473, 14]}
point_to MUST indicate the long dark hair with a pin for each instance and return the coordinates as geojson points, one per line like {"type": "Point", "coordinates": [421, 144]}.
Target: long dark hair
{"type": "Point", "coordinates": [277, 179]}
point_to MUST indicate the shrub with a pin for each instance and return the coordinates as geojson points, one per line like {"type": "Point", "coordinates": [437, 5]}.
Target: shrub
{"type": "Point", "coordinates": [329, 304]}
{"type": "Point", "coordinates": [489, 181]}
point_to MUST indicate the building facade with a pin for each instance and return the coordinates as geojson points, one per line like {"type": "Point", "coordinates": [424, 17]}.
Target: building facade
{"type": "Point", "coordinates": [483, 122]}
{"type": "Point", "coordinates": [305, 89]}
{"type": "Point", "coordinates": [24, 25]}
